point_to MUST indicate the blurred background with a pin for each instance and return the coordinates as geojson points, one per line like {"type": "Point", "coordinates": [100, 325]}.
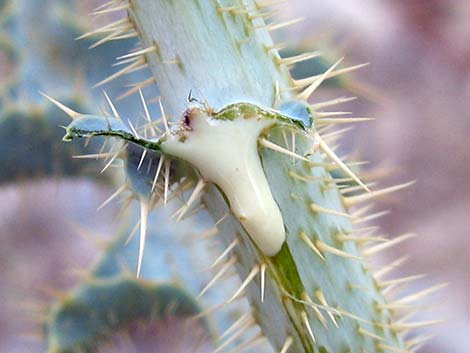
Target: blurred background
{"type": "Point", "coordinates": [417, 86]}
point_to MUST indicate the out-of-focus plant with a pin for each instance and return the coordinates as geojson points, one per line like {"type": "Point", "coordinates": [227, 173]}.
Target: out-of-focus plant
{"type": "Point", "coordinates": [108, 304]}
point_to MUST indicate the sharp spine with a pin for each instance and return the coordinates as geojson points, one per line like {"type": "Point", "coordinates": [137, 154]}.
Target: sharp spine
{"type": "Point", "coordinates": [287, 344]}
{"type": "Point", "coordinates": [304, 316]}
{"type": "Point", "coordinates": [255, 270]}
{"type": "Point", "coordinates": [219, 274]}
{"type": "Point", "coordinates": [305, 95]}
{"type": "Point", "coordinates": [395, 241]}
{"type": "Point", "coordinates": [354, 200]}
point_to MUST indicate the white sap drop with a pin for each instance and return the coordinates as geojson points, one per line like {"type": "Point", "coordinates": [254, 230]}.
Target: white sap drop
{"type": "Point", "coordinates": [226, 154]}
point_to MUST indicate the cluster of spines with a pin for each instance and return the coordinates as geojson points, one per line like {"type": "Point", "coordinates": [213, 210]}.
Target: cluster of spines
{"type": "Point", "coordinates": [362, 236]}
{"type": "Point", "coordinates": [122, 28]}
{"type": "Point", "coordinates": [137, 59]}
{"type": "Point", "coordinates": [321, 135]}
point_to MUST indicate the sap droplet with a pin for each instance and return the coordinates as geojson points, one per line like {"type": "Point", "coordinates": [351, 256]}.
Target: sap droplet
{"type": "Point", "coordinates": [225, 151]}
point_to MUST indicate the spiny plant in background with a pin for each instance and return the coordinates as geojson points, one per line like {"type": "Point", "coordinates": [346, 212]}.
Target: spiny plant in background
{"type": "Point", "coordinates": [111, 304]}
{"type": "Point", "coordinates": [30, 129]}
{"type": "Point", "coordinates": [30, 133]}
{"type": "Point", "coordinates": [256, 155]}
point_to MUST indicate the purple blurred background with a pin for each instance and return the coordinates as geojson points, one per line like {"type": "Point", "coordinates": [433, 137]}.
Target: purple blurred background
{"type": "Point", "coordinates": [419, 52]}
